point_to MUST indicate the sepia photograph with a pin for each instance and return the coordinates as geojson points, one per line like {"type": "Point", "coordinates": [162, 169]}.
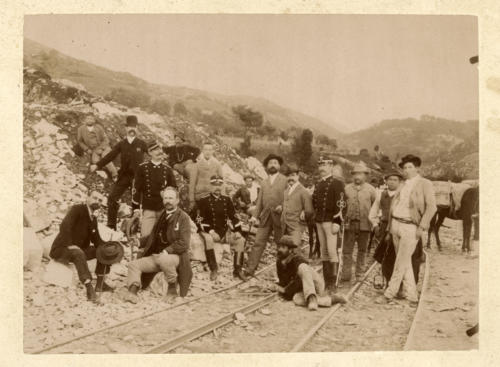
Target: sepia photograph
{"type": "Point", "coordinates": [250, 183]}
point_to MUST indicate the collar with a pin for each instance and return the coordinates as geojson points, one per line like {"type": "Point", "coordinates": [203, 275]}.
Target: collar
{"type": "Point", "coordinates": [391, 193]}
{"type": "Point", "coordinates": [215, 197]}
{"type": "Point", "coordinates": [91, 214]}
{"type": "Point", "coordinates": [156, 163]}
{"type": "Point", "coordinates": [293, 187]}
{"type": "Point", "coordinates": [169, 213]}
{"type": "Point", "coordinates": [273, 176]}
{"type": "Point", "coordinates": [130, 140]}
{"type": "Point", "coordinates": [90, 128]}
{"type": "Point", "coordinates": [287, 259]}
{"type": "Point", "coordinates": [327, 177]}
{"type": "Point", "coordinates": [412, 180]}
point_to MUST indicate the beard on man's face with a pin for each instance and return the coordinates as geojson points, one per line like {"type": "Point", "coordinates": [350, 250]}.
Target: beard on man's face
{"type": "Point", "coordinates": [272, 170]}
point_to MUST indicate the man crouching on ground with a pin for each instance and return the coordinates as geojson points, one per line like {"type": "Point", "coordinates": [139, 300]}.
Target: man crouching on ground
{"type": "Point", "coordinates": [166, 249]}
{"type": "Point", "coordinates": [298, 281]}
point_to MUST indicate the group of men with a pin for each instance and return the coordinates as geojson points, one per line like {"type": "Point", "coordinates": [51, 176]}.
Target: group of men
{"type": "Point", "coordinates": [281, 208]}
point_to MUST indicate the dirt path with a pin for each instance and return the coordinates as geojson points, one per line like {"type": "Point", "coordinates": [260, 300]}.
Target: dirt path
{"type": "Point", "coordinates": [449, 306]}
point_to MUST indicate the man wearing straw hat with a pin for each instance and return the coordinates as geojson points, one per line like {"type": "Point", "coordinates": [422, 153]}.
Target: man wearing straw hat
{"type": "Point", "coordinates": [360, 197]}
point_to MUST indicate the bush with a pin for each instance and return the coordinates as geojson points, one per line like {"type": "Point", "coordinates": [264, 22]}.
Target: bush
{"type": "Point", "coordinates": [160, 106]}
{"type": "Point", "coordinates": [129, 98]}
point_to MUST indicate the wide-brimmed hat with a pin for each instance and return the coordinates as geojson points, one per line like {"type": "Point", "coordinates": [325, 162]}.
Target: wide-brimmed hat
{"type": "Point", "coordinates": [292, 168]}
{"type": "Point", "coordinates": [272, 156]}
{"type": "Point", "coordinates": [109, 253]}
{"type": "Point", "coordinates": [216, 180]}
{"type": "Point", "coordinates": [325, 158]}
{"type": "Point", "coordinates": [410, 158]}
{"type": "Point", "coordinates": [393, 173]}
{"type": "Point", "coordinates": [131, 121]}
{"type": "Point", "coordinates": [360, 168]}
{"type": "Point", "coordinates": [287, 241]}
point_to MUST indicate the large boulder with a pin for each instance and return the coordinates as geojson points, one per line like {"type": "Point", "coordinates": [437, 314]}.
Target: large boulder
{"type": "Point", "coordinates": [32, 250]}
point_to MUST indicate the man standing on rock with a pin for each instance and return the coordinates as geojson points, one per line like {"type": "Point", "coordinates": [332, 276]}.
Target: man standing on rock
{"type": "Point", "coordinates": [268, 210]}
{"type": "Point", "coordinates": [199, 182]}
{"type": "Point", "coordinates": [297, 206]}
{"type": "Point", "coordinates": [166, 249]}
{"type": "Point", "coordinates": [412, 209]}
{"type": "Point", "coordinates": [93, 140]}
{"type": "Point", "coordinates": [181, 156]}
{"type": "Point", "coordinates": [131, 150]}
{"type": "Point", "coordinates": [217, 222]}
{"type": "Point", "coordinates": [72, 244]}
{"type": "Point", "coordinates": [150, 179]}
{"type": "Point", "coordinates": [328, 216]}
{"type": "Point", "coordinates": [360, 197]}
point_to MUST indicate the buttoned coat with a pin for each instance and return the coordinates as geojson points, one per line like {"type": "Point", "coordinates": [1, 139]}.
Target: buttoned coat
{"type": "Point", "coordinates": [148, 183]}
{"type": "Point", "coordinates": [270, 196]}
{"type": "Point", "coordinates": [326, 196]}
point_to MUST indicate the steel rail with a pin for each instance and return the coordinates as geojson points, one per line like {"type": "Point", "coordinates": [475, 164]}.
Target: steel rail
{"type": "Point", "coordinates": [122, 323]}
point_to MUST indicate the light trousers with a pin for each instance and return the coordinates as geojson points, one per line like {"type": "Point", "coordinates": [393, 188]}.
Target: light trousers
{"type": "Point", "coordinates": [149, 218]}
{"type": "Point", "coordinates": [167, 263]}
{"type": "Point", "coordinates": [312, 282]}
{"type": "Point", "coordinates": [328, 242]}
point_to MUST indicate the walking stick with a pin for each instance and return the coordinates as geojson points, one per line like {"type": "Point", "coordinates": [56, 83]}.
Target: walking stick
{"type": "Point", "coordinates": [341, 204]}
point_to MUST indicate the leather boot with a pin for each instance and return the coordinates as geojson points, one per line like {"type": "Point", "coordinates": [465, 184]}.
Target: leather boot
{"type": "Point", "coordinates": [335, 270]}
{"type": "Point", "coordinates": [327, 274]}
{"type": "Point", "coordinates": [91, 295]}
{"type": "Point", "coordinates": [171, 292]}
{"type": "Point", "coordinates": [101, 285]}
{"type": "Point", "coordinates": [238, 266]}
{"type": "Point", "coordinates": [212, 264]}
{"type": "Point", "coordinates": [131, 295]}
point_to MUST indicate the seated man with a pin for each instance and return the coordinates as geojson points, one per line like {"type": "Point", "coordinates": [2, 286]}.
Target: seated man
{"type": "Point", "coordinates": [181, 156]}
{"type": "Point", "coordinates": [166, 249]}
{"type": "Point", "coordinates": [215, 212]}
{"type": "Point", "coordinates": [93, 140]}
{"type": "Point", "coordinates": [72, 244]}
{"type": "Point", "coordinates": [298, 281]}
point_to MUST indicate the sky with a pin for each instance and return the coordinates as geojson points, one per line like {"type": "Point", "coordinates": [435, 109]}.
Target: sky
{"type": "Point", "coordinates": [350, 70]}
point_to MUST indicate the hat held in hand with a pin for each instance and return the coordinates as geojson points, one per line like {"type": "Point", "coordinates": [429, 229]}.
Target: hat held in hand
{"type": "Point", "coordinates": [109, 253]}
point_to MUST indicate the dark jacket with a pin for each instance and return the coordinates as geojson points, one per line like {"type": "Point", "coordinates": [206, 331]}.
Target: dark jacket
{"type": "Point", "coordinates": [215, 213]}
{"type": "Point", "coordinates": [325, 199]}
{"type": "Point", "coordinates": [176, 234]}
{"type": "Point", "coordinates": [287, 274]}
{"type": "Point", "coordinates": [181, 154]}
{"type": "Point", "coordinates": [76, 229]}
{"type": "Point", "coordinates": [131, 156]}
{"type": "Point", "coordinates": [149, 181]}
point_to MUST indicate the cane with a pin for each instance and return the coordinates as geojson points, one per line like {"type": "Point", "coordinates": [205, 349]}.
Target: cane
{"type": "Point", "coordinates": [341, 204]}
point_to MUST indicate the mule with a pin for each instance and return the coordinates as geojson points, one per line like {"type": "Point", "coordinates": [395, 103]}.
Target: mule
{"type": "Point", "coordinates": [468, 214]}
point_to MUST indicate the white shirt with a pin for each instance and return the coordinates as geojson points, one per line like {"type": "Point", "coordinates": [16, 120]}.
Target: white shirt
{"type": "Point", "coordinates": [402, 207]}
{"type": "Point", "coordinates": [156, 163]}
{"type": "Point", "coordinates": [324, 178]}
{"type": "Point", "coordinates": [291, 188]}
{"type": "Point", "coordinates": [273, 177]}
{"type": "Point", "coordinates": [130, 140]}
{"type": "Point", "coordinates": [90, 128]}
{"type": "Point", "coordinates": [253, 192]}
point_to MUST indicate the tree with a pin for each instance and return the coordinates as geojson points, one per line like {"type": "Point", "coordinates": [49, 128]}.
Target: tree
{"type": "Point", "coordinates": [160, 106]}
{"type": "Point", "coordinates": [302, 148]}
{"type": "Point", "coordinates": [250, 119]}
{"type": "Point", "coordinates": [128, 97]}
{"type": "Point", "coordinates": [180, 109]}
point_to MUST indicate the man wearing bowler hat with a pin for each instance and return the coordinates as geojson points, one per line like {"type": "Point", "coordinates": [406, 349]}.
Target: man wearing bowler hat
{"type": "Point", "coordinates": [131, 150]}
{"type": "Point", "coordinates": [72, 244]}
{"type": "Point", "coordinates": [360, 197]}
{"type": "Point", "coordinates": [181, 156]}
{"type": "Point", "coordinates": [150, 179]}
{"type": "Point", "coordinates": [412, 209]}
{"type": "Point", "coordinates": [268, 210]}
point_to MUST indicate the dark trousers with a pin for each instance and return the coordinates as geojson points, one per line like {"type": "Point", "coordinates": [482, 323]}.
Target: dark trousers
{"type": "Point", "coordinates": [314, 245]}
{"type": "Point", "coordinates": [353, 235]}
{"type": "Point", "coordinates": [120, 186]}
{"type": "Point", "coordinates": [79, 257]}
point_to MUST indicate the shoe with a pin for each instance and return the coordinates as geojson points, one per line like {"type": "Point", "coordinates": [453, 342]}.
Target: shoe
{"type": "Point", "coordinates": [338, 299]}
{"type": "Point", "coordinates": [131, 295]}
{"type": "Point", "coordinates": [312, 303]}
{"type": "Point", "coordinates": [91, 295]}
{"type": "Point", "coordinates": [171, 292]}
{"type": "Point", "coordinates": [101, 285]}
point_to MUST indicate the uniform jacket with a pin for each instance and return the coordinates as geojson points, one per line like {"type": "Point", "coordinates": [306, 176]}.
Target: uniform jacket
{"type": "Point", "coordinates": [86, 139]}
{"type": "Point", "coordinates": [362, 198]}
{"type": "Point", "coordinates": [181, 154]}
{"type": "Point", "coordinates": [422, 202]}
{"type": "Point", "coordinates": [270, 196]}
{"type": "Point", "coordinates": [199, 182]}
{"type": "Point", "coordinates": [174, 235]}
{"type": "Point", "coordinates": [325, 198]}
{"type": "Point", "coordinates": [76, 229]}
{"type": "Point", "coordinates": [295, 203]}
{"type": "Point", "coordinates": [149, 181]}
{"type": "Point", "coordinates": [131, 156]}
{"type": "Point", "coordinates": [215, 214]}
{"type": "Point", "coordinates": [287, 274]}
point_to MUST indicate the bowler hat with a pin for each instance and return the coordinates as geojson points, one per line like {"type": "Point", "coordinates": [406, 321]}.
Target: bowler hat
{"type": "Point", "coordinates": [292, 168]}
{"type": "Point", "coordinates": [131, 121]}
{"type": "Point", "coordinates": [410, 158]}
{"type": "Point", "coordinates": [109, 253]}
{"type": "Point", "coordinates": [287, 241]}
{"type": "Point", "coordinates": [360, 168]}
{"type": "Point", "coordinates": [272, 156]}
{"type": "Point", "coordinates": [393, 173]}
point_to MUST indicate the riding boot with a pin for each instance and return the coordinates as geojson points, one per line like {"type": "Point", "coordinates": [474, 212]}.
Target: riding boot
{"type": "Point", "coordinates": [238, 266]}
{"type": "Point", "coordinates": [212, 264]}
{"type": "Point", "coordinates": [327, 273]}
{"type": "Point", "coordinates": [91, 295]}
{"type": "Point", "coordinates": [101, 285]}
{"type": "Point", "coordinates": [235, 264]}
{"type": "Point", "coordinates": [335, 270]}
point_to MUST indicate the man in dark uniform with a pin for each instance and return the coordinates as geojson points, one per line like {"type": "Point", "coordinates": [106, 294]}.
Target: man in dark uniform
{"type": "Point", "coordinates": [131, 150]}
{"type": "Point", "coordinates": [181, 156]}
{"type": "Point", "coordinates": [150, 179]}
{"type": "Point", "coordinates": [217, 222]}
{"type": "Point", "coordinates": [328, 217]}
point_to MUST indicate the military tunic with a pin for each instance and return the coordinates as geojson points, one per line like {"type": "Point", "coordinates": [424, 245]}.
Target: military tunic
{"type": "Point", "coordinates": [325, 198]}
{"type": "Point", "coordinates": [215, 213]}
{"type": "Point", "coordinates": [149, 181]}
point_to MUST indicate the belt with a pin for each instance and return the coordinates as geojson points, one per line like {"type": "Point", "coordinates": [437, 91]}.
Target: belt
{"type": "Point", "coordinates": [402, 220]}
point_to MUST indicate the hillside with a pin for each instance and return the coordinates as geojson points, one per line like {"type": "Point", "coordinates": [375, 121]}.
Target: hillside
{"type": "Point", "coordinates": [101, 81]}
{"type": "Point", "coordinates": [448, 148]}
